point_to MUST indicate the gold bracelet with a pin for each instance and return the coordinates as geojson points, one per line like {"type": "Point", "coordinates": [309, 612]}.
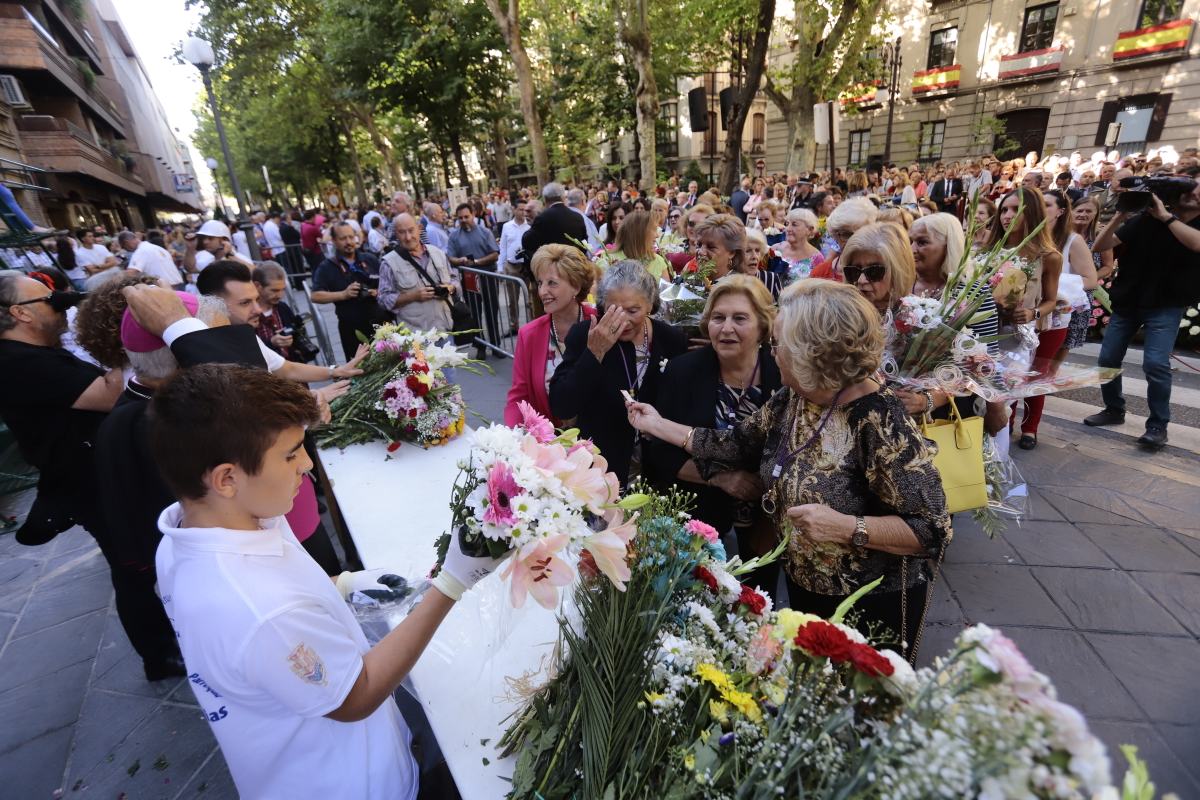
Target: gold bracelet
{"type": "Point", "coordinates": [687, 440]}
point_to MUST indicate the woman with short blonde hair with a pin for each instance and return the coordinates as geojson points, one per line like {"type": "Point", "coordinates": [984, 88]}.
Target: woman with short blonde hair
{"type": "Point", "coordinates": [878, 261]}
{"type": "Point", "coordinates": [843, 471]}
{"type": "Point", "coordinates": [760, 300]}
{"type": "Point", "coordinates": [799, 256]}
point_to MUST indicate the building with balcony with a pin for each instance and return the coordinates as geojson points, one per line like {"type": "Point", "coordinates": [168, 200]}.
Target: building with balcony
{"type": "Point", "coordinates": [67, 81]}
{"type": "Point", "coordinates": [1011, 76]}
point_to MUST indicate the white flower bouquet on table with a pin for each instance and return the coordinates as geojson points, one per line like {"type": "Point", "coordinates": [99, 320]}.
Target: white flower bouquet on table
{"type": "Point", "coordinates": [547, 495]}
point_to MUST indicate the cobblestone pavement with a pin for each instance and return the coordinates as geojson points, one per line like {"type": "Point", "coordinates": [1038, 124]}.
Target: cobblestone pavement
{"type": "Point", "coordinates": [1099, 587]}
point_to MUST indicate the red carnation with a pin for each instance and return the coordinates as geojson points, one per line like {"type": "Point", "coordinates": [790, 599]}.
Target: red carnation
{"type": "Point", "coordinates": [412, 412]}
{"type": "Point", "coordinates": [824, 639]}
{"type": "Point", "coordinates": [868, 661]}
{"type": "Point", "coordinates": [393, 447]}
{"type": "Point", "coordinates": [752, 600]}
{"type": "Point", "coordinates": [705, 577]}
{"type": "Point", "coordinates": [417, 386]}
{"type": "Point", "coordinates": [419, 366]}
{"type": "Point", "coordinates": [389, 393]}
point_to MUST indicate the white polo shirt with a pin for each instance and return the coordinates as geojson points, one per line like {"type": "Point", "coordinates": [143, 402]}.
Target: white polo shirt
{"type": "Point", "coordinates": [271, 648]}
{"type": "Point", "coordinates": [150, 259]}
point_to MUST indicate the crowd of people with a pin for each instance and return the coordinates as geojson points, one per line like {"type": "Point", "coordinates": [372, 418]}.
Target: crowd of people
{"type": "Point", "coordinates": [166, 409]}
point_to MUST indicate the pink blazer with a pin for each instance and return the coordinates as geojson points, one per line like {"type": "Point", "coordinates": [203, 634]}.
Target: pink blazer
{"type": "Point", "coordinates": [529, 367]}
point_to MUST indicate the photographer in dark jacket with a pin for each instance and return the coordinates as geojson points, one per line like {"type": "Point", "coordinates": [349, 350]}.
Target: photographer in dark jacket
{"type": "Point", "coordinates": [1159, 278]}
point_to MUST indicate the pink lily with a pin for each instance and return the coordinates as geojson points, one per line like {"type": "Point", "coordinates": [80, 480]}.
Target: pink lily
{"type": "Point", "coordinates": [536, 569]}
{"type": "Point", "coordinates": [608, 547]}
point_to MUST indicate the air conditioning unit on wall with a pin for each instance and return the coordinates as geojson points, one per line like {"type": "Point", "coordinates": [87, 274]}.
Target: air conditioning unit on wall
{"type": "Point", "coordinates": [11, 91]}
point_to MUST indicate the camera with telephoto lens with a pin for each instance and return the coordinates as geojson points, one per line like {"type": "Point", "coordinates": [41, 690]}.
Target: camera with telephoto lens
{"type": "Point", "coordinates": [441, 291]}
{"type": "Point", "coordinates": [1168, 188]}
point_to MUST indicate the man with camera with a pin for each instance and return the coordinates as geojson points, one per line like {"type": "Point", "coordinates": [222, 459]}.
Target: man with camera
{"type": "Point", "coordinates": [1158, 221]}
{"type": "Point", "coordinates": [415, 281]}
{"type": "Point", "coordinates": [349, 280]}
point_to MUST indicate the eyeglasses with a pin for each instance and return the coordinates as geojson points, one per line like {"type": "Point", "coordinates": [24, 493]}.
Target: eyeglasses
{"type": "Point", "coordinates": [45, 299]}
{"type": "Point", "coordinates": [874, 273]}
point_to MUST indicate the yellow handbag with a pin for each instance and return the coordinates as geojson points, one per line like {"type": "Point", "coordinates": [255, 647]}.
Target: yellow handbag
{"type": "Point", "coordinates": [959, 458]}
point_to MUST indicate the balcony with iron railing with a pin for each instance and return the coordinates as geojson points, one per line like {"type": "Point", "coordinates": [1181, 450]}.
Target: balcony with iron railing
{"type": "Point", "coordinates": [59, 145]}
{"type": "Point", "coordinates": [29, 48]}
{"type": "Point", "coordinates": [75, 28]}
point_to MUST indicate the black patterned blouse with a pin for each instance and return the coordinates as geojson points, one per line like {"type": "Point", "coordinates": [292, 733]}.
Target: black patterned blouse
{"type": "Point", "coordinates": [869, 459]}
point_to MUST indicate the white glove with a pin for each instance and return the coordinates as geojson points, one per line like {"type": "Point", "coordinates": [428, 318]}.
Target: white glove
{"type": "Point", "coordinates": [460, 572]}
{"type": "Point", "coordinates": [350, 582]}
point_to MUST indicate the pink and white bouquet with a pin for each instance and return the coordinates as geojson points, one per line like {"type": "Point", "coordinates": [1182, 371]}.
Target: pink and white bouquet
{"type": "Point", "coordinates": [403, 394]}
{"type": "Point", "coordinates": [549, 496]}
{"type": "Point", "coordinates": [1008, 282]}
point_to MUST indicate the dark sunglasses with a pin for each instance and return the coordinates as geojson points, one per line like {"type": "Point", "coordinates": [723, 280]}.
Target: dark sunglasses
{"type": "Point", "coordinates": [874, 273]}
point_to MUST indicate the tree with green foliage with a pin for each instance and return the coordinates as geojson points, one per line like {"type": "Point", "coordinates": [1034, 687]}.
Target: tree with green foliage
{"type": "Point", "coordinates": [832, 44]}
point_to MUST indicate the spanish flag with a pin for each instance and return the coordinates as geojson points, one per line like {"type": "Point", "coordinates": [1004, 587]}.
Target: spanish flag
{"type": "Point", "coordinates": [1165, 38]}
{"type": "Point", "coordinates": [937, 78]}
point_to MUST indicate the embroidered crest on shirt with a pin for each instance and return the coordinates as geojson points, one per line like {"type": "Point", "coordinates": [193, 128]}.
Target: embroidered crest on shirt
{"type": "Point", "coordinates": [307, 665]}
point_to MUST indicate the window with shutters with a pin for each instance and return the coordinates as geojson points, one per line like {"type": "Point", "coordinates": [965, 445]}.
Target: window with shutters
{"type": "Point", "coordinates": [943, 47]}
{"type": "Point", "coordinates": [666, 132]}
{"type": "Point", "coordinates": [932, 136]}
{"type": "Point", "coordinates": [1038, 31]}
{"type": "Point", "coordinates": [1156, 12]}
{"type": "Point", "coordinates": [860, 143]}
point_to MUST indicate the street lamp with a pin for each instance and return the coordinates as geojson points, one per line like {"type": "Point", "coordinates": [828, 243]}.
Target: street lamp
{"type": "Point", "coordinates": [212, 164]}
{"type": "Point", "coordinates": [199, 54]}
{"type": "Point", "coordinates": [891, 56]}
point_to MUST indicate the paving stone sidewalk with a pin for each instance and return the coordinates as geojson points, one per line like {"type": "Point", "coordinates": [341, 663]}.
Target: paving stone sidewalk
{"type": "Point", "coordinates": [1100, 587]}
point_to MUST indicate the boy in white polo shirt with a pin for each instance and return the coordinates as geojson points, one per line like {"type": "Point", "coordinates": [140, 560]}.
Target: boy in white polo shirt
{"type": "Point", "coordinates": [299, 702]}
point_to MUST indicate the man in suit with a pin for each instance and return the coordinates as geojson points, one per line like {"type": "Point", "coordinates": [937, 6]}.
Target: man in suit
{"type": "Point", "coordinates": [555, 224]}
{"type": "Point", "coordinates": [692, 195]}
{"type": "Point", "coordinates": [740, 197]}
{"type": "Point", "coordinates": [947, 191]}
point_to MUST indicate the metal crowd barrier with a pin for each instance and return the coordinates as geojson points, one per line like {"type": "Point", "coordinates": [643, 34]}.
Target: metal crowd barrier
{"type": "Point", "coordinates": [501, 303]}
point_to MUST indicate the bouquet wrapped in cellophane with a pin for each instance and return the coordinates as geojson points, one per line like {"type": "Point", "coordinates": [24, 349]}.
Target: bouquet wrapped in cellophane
{"type": "Point", "coordinates": [682, 299]}
{"type": "Point", "coordinates": [549, 496]}
{"type": "Point", "coordinates": [690, 685]}
{"type": "Point", "coordinates": [403, 394]}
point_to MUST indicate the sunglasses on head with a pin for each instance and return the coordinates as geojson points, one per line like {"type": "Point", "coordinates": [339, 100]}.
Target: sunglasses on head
{"type": "Point", "coordinates": [874, 273]}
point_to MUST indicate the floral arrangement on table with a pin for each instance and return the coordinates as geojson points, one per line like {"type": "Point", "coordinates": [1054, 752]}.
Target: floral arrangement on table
{"type": "Point", "coordinates": [689, 684]}
{"type": "Point", "coordinates": [546, 494]}
{"type": "Point", "coordinates": [402, 395]}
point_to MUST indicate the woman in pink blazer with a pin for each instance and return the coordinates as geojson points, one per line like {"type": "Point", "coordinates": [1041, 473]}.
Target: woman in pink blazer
{"type": "Point", "coordinates": [564, 278]}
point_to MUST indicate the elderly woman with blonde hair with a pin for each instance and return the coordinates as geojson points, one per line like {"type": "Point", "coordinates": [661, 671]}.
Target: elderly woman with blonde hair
{"type": "Point", "coordinates": [847, 218]}
{"type": "Point", "coordinates": [848, 479]}
{"type": "Point", "coordinates": [717, 386]}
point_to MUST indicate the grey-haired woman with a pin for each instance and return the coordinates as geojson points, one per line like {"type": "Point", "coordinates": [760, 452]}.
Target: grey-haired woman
{"type": "Point", "coordinates": [622, 349]}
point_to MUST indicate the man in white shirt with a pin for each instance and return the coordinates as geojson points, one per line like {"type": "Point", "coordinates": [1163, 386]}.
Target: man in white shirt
{"type": "Point", "coordinates": [91, 256]}
{"type": "Point", "coordinates": [150, 259]}
{"type": "Point", "coordinates": [510, 257]}
{"type": "Point", "coordinates": [298, 700]}
{"type": "Point", "coordinates": [233, 282]}
{"type": "Point", "coordinates": [271, 234]}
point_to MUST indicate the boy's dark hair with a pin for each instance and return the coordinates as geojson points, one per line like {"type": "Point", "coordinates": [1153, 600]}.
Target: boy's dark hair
{"type": "Point", "coordinates": [216, 414]}
{"type": "Point", "coordinates": [212, 279]}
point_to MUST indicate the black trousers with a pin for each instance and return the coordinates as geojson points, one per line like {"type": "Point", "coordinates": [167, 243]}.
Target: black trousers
{"type": "Point", "coordinates": [878, 613]}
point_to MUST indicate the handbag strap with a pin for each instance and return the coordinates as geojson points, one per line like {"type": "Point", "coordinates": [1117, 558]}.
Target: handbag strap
{"type": "Point", "coordinates": [911, 655]}
{"type": "Point", "coordinates": [407, 256]}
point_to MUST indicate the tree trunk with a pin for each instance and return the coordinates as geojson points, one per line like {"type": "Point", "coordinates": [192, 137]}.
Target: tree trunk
{"type": "Point", "coordinates": [731, 158]}
{"type": "Point", "coordinates": [634, 29]}
{"type": "Point", "coordinates": [500, 148]}
{"type": "Point", "coordinates": [360, 186]}
{"type": "Point", "coordinates": [445, 164]}
{"type": "Point", "coordinates": [365, 116]}
{"type": "Point", "coordinates": [508, 18]}
{"type": "Point", "coordinates": [464, 179]}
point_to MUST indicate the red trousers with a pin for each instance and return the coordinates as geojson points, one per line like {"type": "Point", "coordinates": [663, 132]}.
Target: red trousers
{"type": "Point", "coordinates": [1049, 343]}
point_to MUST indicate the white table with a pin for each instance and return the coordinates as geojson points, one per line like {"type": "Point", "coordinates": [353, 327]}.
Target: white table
{"type": "Point", "coordinates": [394, 510]}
